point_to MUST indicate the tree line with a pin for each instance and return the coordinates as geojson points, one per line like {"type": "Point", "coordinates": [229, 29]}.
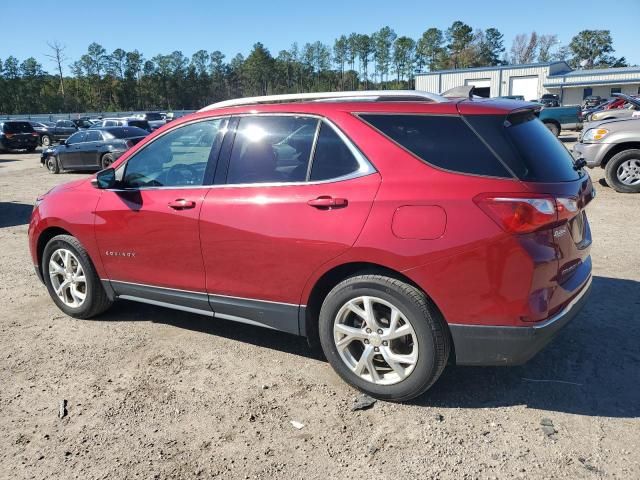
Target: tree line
{"type": "Point", "coordinates": [126, 80]}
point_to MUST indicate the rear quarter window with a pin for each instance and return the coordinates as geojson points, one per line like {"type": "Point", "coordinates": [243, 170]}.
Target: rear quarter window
{"type": "Point", "coordinates": [443, 141]}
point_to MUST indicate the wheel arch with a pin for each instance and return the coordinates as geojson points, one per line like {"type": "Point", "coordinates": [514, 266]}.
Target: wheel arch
{"type": "Point", "coordinates": [616, 149]}
{"type": "Point", "coordinates": [46, 235]}
{"type": "Point", "coordinates": [325, 283]}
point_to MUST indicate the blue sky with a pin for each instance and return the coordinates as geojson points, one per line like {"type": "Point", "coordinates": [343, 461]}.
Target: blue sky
{"type": "Point", "coordinates": [160, 26]}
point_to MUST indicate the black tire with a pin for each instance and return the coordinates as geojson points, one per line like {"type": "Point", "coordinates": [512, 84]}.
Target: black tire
{"type": "Point", "coordinates": [45, 141]}
{"type": "Point", "coordinates": [52, 164]}
{"type": "Point", "coordinates": [553, 128]}
{"type": "Point", "coordinates": [96, 300]}
{"type": "Point", "coordinates": [429, 326]}
{"type": "Point", "coordinates": [613, 170]}
{"type": "Point", "coordinates": [106, 160]}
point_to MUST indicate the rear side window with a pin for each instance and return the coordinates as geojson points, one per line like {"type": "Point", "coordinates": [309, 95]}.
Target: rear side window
{"type": "Point", "coordinates": [443, 141]}
{"type": "Point", "coordinates": [526, 146]}
{"type": "Point", "coordinates": [17, 127]}
{"type": "Point", "coordinates": [139, 123]}
{"type": "Point", "coordinates": [270, 149]}
{"type": "Point", "coordinates": [332, 157]}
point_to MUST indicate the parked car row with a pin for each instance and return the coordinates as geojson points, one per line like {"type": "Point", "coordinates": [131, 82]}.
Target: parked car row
{"type": "Point", "coordinates": [620, 106]}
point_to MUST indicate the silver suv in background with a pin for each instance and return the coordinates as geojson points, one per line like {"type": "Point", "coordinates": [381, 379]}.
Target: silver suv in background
{"type": "Point", "coordinates": [615, 146]}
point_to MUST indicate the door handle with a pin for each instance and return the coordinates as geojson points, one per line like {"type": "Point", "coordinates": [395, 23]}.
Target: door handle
{"type": "Point", "coordinates": [327, 203]}
{"type": "Point", "coordinates": [182, 204]}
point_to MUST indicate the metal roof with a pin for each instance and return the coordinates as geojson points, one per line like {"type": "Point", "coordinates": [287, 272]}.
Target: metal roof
{"type": "Point", "coordinates": [493, 68]}
{"type": "Point", "coordinates": [598, 71]}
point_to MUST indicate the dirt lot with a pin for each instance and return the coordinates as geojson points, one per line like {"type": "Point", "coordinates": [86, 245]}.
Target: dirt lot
{"type": "Point", "coordinates": [155, 393]}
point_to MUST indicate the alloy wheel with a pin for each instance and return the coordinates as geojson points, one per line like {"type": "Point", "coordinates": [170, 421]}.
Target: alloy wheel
{"type": "Point", "coordinates": [375, 340]}
{"type": "Point", "coordinates": [629, 172]}
{"type": "Point", "coordinates": [67, 278]}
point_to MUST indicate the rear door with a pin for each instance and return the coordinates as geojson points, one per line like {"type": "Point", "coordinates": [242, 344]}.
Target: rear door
{"type": "Point", "coordinates": [285, 203]}
{"type": "Point", "coordinates": [90, 156]}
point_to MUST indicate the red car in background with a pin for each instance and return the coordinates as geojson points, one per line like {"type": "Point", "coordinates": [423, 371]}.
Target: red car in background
{"type": "Point", "coordinates": [403, 230]}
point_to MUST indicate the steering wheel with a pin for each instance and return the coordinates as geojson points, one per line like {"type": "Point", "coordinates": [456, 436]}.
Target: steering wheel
{"type": "Point", "coordinates": [182, 174]}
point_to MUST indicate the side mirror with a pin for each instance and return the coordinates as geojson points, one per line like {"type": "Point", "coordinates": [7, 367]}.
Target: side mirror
{"type": "Point", "coordinates": [105, 179]}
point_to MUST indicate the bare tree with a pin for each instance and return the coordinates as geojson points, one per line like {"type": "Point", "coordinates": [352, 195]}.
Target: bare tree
{"type": "Point", "coordinates": [545, 44]}
{"type": "Point", "coordinates": [58, 57]}
{"type": "Point", "coordinates": [524, 48]}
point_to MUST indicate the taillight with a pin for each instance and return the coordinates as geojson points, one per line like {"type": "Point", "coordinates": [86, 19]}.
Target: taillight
{"type": "Point", "coordinates": [526, 214]}
{"type": "Point", "coordinates": [8, 135]}
{"type": "Point", "coordinates": [34, 134]}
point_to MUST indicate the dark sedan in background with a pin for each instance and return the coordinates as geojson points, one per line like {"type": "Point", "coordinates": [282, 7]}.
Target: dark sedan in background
{"type": "Point", "coordinates": [92, 149]}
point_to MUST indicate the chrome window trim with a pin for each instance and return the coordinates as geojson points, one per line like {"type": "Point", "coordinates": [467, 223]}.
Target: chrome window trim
{"type": "Point", "coordinates": [365, 166]}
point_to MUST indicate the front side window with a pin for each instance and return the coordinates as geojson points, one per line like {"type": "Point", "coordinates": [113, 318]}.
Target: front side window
{"type": "Point", "coordinates": [76, 138]}
{"type": "Point", "coordinates": [270, 149]}
{"type": "Point", "coordinates": [178, 158]}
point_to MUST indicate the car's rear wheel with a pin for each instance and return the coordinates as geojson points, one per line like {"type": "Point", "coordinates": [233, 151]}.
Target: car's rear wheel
{"type": "Point", "coordinates": [383, 336]}
{"type": "Point", "coordinates": [623, 171]}
{"type": "Point", "coordinates": [45, 141]}
{"type": "Point", "coordinates": [52, 164]}
{"type": "Point", "coordinates": [71, 279]}
{"type": "Point", "coordinates": [106, 160]}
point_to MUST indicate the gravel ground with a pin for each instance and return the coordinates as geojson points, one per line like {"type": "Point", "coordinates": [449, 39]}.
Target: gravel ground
{"type": "Point", "coordinates": [154, 393]}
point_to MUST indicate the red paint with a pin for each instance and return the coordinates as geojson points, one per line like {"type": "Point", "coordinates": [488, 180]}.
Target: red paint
{"type": "Point", "coordinates": [269, 243]}
{"type": "Point", "coordinates": [414, 222]}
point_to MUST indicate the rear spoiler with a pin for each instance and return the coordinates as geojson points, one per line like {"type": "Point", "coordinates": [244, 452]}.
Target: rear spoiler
{"type": "Point", "coordinates": [463, 91]}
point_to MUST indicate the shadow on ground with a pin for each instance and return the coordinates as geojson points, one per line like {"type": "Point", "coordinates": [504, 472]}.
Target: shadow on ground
{"type": "Point", "coordinates": [12, 214]}
{"type": "Point", "coordinates": [592, 368]}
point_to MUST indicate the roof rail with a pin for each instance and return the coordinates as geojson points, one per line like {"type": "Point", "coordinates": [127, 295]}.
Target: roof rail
{"type": "Point", "coordinates": [464, 91]}
{"type": "Point", "coordinates": [355, 96]}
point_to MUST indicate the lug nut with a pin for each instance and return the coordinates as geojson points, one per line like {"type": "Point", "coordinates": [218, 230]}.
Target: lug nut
{"type": "Point", "coordinates": [385, 343]}
{"type": "Point", "coordinates": [379, 331]}
{"type": "Point", "coordinates": [376, 349]}
{"type": "Point", "coordinates": [366, 341]}
{"type": "Point", "coordinates": [368, 330]}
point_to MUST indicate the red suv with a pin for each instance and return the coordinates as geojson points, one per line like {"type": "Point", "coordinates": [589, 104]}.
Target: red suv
{"type": "Point", "coordinates": [403, 230]}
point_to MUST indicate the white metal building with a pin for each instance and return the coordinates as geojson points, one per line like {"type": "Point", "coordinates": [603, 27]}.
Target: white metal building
{"type": "Point", "coordinates": [534, 80]}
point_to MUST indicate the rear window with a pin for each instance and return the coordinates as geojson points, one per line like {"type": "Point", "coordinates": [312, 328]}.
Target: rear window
{"type": "Point", "coordinates": [444, 141]}
{"type": "Point", "coordinates": [153, 116]}
{"type": "Point", "coordinates": [526, 146]}
{"type": "Point", "coordinates": [17, 127]}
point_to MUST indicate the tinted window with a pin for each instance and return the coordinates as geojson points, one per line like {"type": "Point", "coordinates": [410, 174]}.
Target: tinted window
{"type": "Point", "coordinates": [17, 127]}
{"type": "Point", "coordinates": [110, 123]}
{"type": "Point", "coordinates": [153, 116]}
{"type": "Point", "coordinates": [76, 138]}
{"type": "Point", "coordinates": [93, 136]}
{"type": "Point", "coordinates": [530, 150]}
{"type": "Point", "coordinates": [127, 132]}
{"type": "Point", "coordinates": [178, 158]}
{"type": "Point", "coordinates": [332, 158]}
{"type": "Point", "coordinates": [271, 149]}
{"type": "Point", "coordinates": [138, 123]}
{"type": "Point", "coordinates": [443, 141]}
{"type": "Point", "coordinates": [69, 124]}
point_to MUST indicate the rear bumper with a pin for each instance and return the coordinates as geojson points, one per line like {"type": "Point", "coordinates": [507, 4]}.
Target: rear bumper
{"type": "Point", "coordinates": [11, 144]}
{"type": "Point", "coordinates": [494, 345]}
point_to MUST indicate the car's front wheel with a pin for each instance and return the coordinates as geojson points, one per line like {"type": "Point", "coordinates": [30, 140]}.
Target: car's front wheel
{"type": "Point", "coordinates": [106, 160]}
{"type": "Point", "coordinates": [45, 141]}
{"type": "Point", "coordinates": [71, 279]}
{"type": "Point", "coordinates": [623, 171]}
{"type": "Point", "coordinates": [383, 336]}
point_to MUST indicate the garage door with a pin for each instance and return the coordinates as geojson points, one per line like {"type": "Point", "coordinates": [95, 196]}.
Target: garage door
{"type": "Point", "coordinates": [525, 86]}
{"type": "Point", "coordinates": [483, 86]}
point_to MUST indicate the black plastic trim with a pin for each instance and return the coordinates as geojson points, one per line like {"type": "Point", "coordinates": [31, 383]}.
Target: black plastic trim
{"type": "Point", "coordinates": [483, 345]}
{"type": "Point", "coordinates": [278, 316]}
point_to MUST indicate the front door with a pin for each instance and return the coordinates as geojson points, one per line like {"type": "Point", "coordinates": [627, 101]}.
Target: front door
{"type": "Point", "coordinates": [147, 229]}
{"type": "Point", "coordinates": [276, 218]}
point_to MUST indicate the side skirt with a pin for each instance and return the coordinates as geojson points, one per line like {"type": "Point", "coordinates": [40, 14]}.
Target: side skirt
{"type": "Point", "coordinates": [273, 315]}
